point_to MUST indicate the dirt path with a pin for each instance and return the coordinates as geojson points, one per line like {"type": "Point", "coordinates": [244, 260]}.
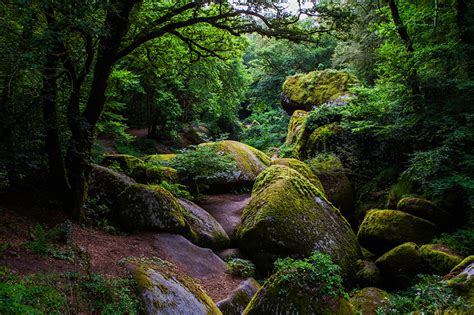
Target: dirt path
{"type": "Point", "coordinates": [227, 209]}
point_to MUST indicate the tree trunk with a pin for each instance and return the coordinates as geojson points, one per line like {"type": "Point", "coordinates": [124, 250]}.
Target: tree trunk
{"type": "Point", "coordinates": [117, 24]}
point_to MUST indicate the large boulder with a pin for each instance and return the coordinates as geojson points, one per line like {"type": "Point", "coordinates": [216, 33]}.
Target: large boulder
{"type": "Point", "coordinates": [289, 216]}
{"type": "Point", "coordinates": [250, 162]}
{"type": "Point", "coordinates": [301, 168]}
{"type": "Point", "coordinates": [461, 279]}
{"type": "Point", "coordinates": [399, 265]}
{"type": "Point", "coordinates": [239, 298]}
{"type": "Point", "coordinates": [338, 188]}
{"type": "Point", "coordinates": [144, 207]}
{"type": "Point", "coordinates": [295, 125]}
{"type": "Point", "coordinates": [305, 91]}
{"type": "Point", "coordinates": [320, 140]}
{"type": "Point", "coordinates": [312, 286]}
{"type": "Point", "coordinates": [105, 185]}
{"type": "Point", "coordinates": [209, 233]}
{"type": "Point", "coordinates": [439, 258]}
{"type": "Point", "coordinates": [424, 209]}
{"type": "Point", "coordinates": [164, 290]}
{"type": "Point", "coordinates": [368, 300]}
{"type": "Point", "coordinates": [382, 230]}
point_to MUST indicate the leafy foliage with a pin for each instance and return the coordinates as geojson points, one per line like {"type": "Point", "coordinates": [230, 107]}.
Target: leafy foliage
{"type": "Point", "coordinates": [316, 269]}
{"type": "Point", "coordinates": [431, 294]}
{"type": "Point", "coordinates": [241, 267]}
{"type": "Point", "coordinates": [461, 241]}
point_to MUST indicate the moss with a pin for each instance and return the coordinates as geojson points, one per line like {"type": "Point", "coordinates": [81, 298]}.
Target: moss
{"type": "Point", "coordinates": [294, 225]}
{"type": "Point", "coordinates": [401, 189]}
{"type": "Point", "coordinates": [337, 186]}
{"type": "Point", "coordinates": [368, 300]}
{"type": "Point", "coordinates": [462, 279]}
{"type": "Point", "coordinates": [424, 209]}
{"type": "Point", "coordinates": [320, 140]}
{"type": "Point", "coordinates": [159, 158]}
{"type": "Point", "coordinates": [463, 264]}
{"type": "Point", "coordinates": [301, 168]}
{"type": "Point", "coordinates": [385, 229]}
{"type": "Point", "coordinates": [439, 258]}
{"type": "Point", "coordinates": [303, 91]}
{"type": "Point", "coordinates": [127, 162]}
{"type": "Point", "coordinates": [295, 125]}
{"type": "Point", "coordinates": [400, 264]}
{"type": "Point", "coordinates": [250, 161]}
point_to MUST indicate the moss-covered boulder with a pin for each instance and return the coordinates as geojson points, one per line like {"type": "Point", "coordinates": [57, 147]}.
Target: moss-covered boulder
{"type": "Point", "coordinates": [295, 125]}
{"type": "Point", "coordinates": [249, 161]}
{"type": "Point", "coordinates": [309, 286]}
{"type": "Point", "coordinates": [239, 298]}
{"type": "Point", "coordinates": [105, 185]}
{"type": "Point", "coordinates": [461, 279]}
{"type": "Point", "coordinates": [144, 207]}
{"type": "Point", "coordinates": [330, 171]}
{"type": "Point", "coordinates": [159, 158]}
{"type": "Point", "coordinates": [164, 290]}
{"type": "Point", "coordinates": [305, 91]}
{"type": "Point", "coordinates": [368, 300]}
{"type": "Point", "coordinates": [424, 209]}
{"type": "Point", "coordinates": [145, 173]}
{"type": "Point", "coordinates": [289, 216]}
{"type": "Point", "coordinates": [320, 140]}
{"type": "Point", "coordinates": [382, 230]}
{"type": "Point", "coordinates": [208, 232]}
{"type": "Point", "coordinates": [439, 258]}
{"type": "Point", "coordinates": [368, 274]}
{"type": "Point", "coordinates": [301, 168]}
{"type": "Point", "coordinates": [399, 265]}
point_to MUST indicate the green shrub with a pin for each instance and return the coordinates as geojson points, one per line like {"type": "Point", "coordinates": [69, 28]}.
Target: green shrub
{"type": "Point", "coordinates": [99, 215]}
{"type": "Point", "coordinates": [70, 293]}
{"type": "Point", "coordinates": [202, 165]}
{"type": "Point", "coordinates": [318, 268]}
{"type": "Point", "coordinates": [461, 241]}
{"type": "Point", "coordinates": [178, 190]}
{"type": "Point", "coordinates": [322, 115]}
{"type": "Point", "coordinates": [430, 295]}
{"type": "Point", "coordinates": [241, 267]}
{"type": "Point", "coordinates": [43, 241]}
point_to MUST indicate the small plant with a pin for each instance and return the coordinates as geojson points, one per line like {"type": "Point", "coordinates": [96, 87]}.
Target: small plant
{"type": "Point", "coordinates": [241, 267]}
{"type": "Point", "coordinates": [318, 269]}
{"type": "Point", "coordinates": [178, 190]}
{"type": "Point", "coordinates": [461, 241]}
{"type": "Point", "coordinates": [430, 295]}
{"type": "Point", "coordinates": [202, 165]}
{"type": "Point", "coordinates": [99, 215]}
{"type": "Point", "coordinates": [43, 241]}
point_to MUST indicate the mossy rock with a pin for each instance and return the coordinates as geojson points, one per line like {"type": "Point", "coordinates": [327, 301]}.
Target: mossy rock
{"type": "Point", "coordinates": [305, 91]}
{"type": "Point", "coordinates": [140, 171]}
{"type": "Point", "coordinates": [208, 232]}
{"type": "Point", "coordinates": [301, 168]}
{"type": "Point", "coordinates": [165, 290]}
{"type": "Point", "coordinates": [382, 230]}
{"type": "Point", "coordinates": [320, 140]}
{"type": "Point", "coordinates": [338, 188]}
{"type": "Point", "coordinates": [289, 216]}
{"type": "Point", "coordinates": [297, 299]}
{"type": "Point", "coordinates": [295, 125]}
{"type": "Point", "coordinates": [461, 279]}
{"type": "Point", "coordinates": [250, 162]}
{"type": "Point", "coordinates": [144, 207]}
{"type": "Point", "coordinates": [368, 274]}
{"type": "Point", "coordinates": [403, 188]}
{"type": "Point", "coordinates": [159, 158]}
{"type": "Point", "coordinates": [399, 265]}
{"type": "Point", "coordinates": [368, 300]}
{"type": "Point", "coordinates": [105, 185]}
{"type": "Point", "coordinates": [239, 298]}
{"type": "Point", "coordinates": [424, 209]}
{"type": "Point", "coordinates": [439, 258]}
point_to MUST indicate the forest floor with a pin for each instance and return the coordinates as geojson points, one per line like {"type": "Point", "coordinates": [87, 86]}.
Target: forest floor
{"type": "Point", "coordinates": [18, 218]}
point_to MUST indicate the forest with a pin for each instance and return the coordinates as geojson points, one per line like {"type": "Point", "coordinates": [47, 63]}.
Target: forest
{"type": "Point", "coordinates": [237, 157]}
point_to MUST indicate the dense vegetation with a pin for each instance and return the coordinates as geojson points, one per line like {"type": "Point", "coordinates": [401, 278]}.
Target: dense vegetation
{"type": "Point", "coordinates": [182, 99]}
